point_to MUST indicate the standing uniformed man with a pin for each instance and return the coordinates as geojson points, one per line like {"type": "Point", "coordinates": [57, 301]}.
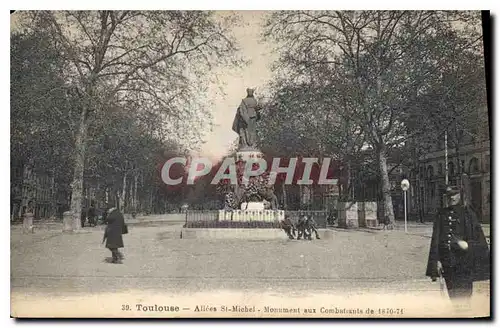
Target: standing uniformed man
{"type": "Point", "coordinates": [458, 250]}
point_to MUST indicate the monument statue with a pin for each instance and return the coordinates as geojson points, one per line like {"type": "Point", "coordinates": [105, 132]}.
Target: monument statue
{"type": "Point", "coordinates": [257, 192]}
{"type": "Point", "coordinates": [245, 121]}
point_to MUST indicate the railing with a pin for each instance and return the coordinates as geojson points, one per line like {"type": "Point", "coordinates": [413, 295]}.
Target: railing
{"type": "Point", "coordinates": [212, 219]}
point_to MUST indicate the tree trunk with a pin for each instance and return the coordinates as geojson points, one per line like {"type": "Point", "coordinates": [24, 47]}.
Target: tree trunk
{"type": "Point", "coordinates": [350, 183]}
{"type": "Point", "coordinates": [121, 205]}
{"type": "Point", "coordinates": [27, 186]}
{"type": "Point", "coordinates": [151, 201]}
{"type": "Point", "coordinates": [136, 176]}
{"type": "Point", "coordinates": [283, 189]}
{"type": "Point", "coordinates": [130, 199]}
{"type": "Point", "coordinates": [53, 196]}
{"type": "Point", "coordinates": [386, 185]}
{"type": "Point", "coordinates": [77, 183]}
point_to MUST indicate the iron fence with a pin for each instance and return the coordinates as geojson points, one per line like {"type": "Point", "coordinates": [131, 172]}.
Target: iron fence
{"type": "Point", "coordinates": [210, 219]}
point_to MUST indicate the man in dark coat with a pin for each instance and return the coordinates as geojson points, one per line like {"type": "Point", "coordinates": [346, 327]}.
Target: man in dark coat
{"type": "Point", "coordinates": [83, 217]}
{"type": "Point", "coordinates": [113, 233]}
{"type": "Point", "coordinates": [91, 215]}
{"type": "Point", "coordinates": [458, 250]}
{"type": "Point", "coordinates": [245, 121]}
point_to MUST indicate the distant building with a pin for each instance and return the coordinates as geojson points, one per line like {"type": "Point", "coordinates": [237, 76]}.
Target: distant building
{"type": "Point", "coordinates": [472, 158]}
{"type": "Point", "coordinates": [50, 199]}
{"type": "Point", "coordinates": [29, 185]}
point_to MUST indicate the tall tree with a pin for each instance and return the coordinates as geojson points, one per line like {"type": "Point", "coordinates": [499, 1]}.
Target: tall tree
{"type": "Point", "coordinates": [374, 55]}
{"type": "Point", "coordinates": [147, 60]}
{"type": "Point", "coordinates": [41, 114]}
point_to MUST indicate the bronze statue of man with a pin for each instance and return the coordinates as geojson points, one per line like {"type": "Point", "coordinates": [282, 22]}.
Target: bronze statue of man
{"type": "Point", "coordinates": [245, 121]}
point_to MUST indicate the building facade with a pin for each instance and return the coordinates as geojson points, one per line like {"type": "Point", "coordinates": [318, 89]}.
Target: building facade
{"type": "Point", "coordinates": [472, 159]}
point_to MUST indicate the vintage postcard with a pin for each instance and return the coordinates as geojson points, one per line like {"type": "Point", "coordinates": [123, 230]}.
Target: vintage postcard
{"type": "Point", "coordinates": [250, 164]}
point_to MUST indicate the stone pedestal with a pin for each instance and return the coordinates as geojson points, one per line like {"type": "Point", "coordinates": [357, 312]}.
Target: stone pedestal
{"type": "Point", "coordinates": [253, 206]}
{"type": "Point", "coordinates": [77, 224]}
{"type": "Point", "coordinates": [367, 214]}
{"type": "Point", "coordinates": [361, 214]}
{"type": "Point", "coordinates": [251, 211]}
{"type": "Point", "coordinates": [28, 223]}
{"type": "Point", "coordinates": [67, 222]}
{"type": "Point", "coordinates": [348, 215]}
{"type": "Point", "coordinates": [371, 214]}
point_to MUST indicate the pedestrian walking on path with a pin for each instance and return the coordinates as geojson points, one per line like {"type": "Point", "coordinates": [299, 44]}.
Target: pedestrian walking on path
{"type": "Point", "coordinates": [115, 228]}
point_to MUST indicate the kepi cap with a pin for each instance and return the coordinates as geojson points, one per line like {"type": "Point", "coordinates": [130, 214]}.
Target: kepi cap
{"type": "Point", "coordinates": [452, 190]}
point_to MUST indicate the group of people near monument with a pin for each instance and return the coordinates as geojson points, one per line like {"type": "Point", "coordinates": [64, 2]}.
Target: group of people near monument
{"type": "Point", "coordinates": [302, 228]}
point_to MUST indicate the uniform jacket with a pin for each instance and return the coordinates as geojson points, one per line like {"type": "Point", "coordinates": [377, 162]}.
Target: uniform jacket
{"type": "Point", "coordinates": [114, 229]}
{"type": "Point", "coordinates": [453, 224]}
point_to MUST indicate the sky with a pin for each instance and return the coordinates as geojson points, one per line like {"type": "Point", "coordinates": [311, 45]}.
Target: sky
{"type": "Point", "coordinates": [227, 94]}
{"type": "Point", "coordinates": [235, 83]}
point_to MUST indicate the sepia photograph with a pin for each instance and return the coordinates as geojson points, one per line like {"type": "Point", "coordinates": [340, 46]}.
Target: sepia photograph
{"type": "Point", "coordinates": [330, 164]}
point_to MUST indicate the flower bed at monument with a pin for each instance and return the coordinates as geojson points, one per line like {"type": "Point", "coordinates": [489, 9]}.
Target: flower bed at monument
{"type": "Point", "coordinates": [232, 224]}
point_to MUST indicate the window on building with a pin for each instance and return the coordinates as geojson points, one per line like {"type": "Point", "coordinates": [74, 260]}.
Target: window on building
{"type": "Point", "coordinates": [451, 169]}
{"type": "Point", "coordinates": [473, 165]}
{"type": "Point", "coordinates": [440, 168]}
{"type": "Point", "coordinates": [430, 172]}
{"type": "Point", "coordinates": [487, 163]}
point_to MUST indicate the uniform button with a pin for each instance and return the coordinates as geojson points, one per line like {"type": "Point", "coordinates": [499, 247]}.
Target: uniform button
{"type": "Point", "coordinates": [449, 222]}
{"type": "Point", "coordinates": [449, 235]}
{"type": "Point", "coordinates": [449, 218]}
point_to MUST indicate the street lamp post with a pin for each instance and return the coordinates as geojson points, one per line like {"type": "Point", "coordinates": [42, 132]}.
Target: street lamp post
{"type": "Point", "coordinates": [446, 158]}
{"type": "Point", "coordinates": [405, 184]}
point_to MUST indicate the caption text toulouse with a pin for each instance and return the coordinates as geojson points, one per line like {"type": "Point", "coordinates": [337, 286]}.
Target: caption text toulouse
{"type": "Point", "coordinates": [266, 309]}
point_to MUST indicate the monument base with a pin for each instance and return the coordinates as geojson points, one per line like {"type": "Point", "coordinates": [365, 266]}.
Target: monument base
{"type": "Point", "coordinates": [371, 214]}
{"type": "Point", "coordinates": [253, 206]}
{"type": "Point", "coordinates": [28, 223]}
{"type": "Point", "coordinates": [348, 215]}
{"type": "Point", "coordinates": [71, 224]}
